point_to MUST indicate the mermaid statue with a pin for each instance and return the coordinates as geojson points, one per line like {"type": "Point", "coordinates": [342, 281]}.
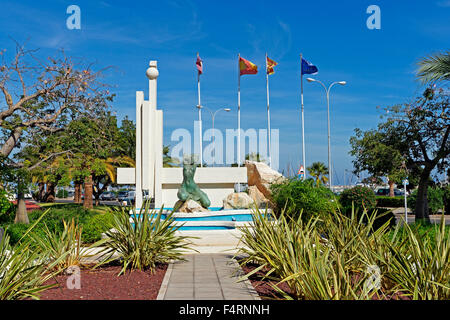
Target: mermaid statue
{"type": "Point", "coordinates": [189, 190]}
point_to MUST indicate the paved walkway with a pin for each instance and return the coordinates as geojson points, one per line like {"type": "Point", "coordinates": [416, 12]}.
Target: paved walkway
{"type": "Point", "coordinates": [206, 277]}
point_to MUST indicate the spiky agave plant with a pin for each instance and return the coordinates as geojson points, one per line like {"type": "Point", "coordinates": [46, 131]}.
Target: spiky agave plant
{"type": "Point", "coordinates": [277, 244]}
{"type": "Point", "coordinates": [420, 264]}
{"type": "Point", "coordinates": [319, 259]}
{"type": "Point", "coordinates": [23, 272]}
{"type": "Point", "coordinates": [64, 246]}
{"type": "Point", "coordinates": [142, 240]}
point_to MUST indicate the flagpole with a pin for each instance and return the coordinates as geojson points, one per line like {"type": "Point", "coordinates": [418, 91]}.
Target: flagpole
{"type": "Point", "coordinates": [268, 115]}
{"type": "Point", "coordinates": [239, 119]}
{"type": "Point", "coordinates": [303, 116]}
{"type": "Point", "coordinates": [239, 114]}
{"type": "Point", "coordinates": [200, 117]}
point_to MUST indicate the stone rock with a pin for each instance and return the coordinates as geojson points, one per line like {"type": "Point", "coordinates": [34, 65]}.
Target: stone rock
{"type": "Point", "coordinates": [262, 176]}
{"type": "Point", "coordinates": [189, 206]}
{"type": "Point", "coordinates": [237, 200]}
{"type": "Point", "coordinates": [258, 198]}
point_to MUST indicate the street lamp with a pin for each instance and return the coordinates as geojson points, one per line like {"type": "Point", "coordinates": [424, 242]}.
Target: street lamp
{"type": "Point", "coordinates": [342, 83]}
{"type": "Point", "coordinates": [213, 115]}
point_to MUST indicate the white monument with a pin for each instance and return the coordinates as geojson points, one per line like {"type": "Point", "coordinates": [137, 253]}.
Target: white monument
{"type": "Point", "coordinates": [162, 183]}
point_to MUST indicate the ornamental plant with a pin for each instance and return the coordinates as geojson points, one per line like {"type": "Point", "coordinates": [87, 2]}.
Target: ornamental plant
{"type": "Point", "coordinates": [360, 197]}
{"type": "Point", "coordinates": [6, 207]}
{"type": "Point", "coordinates": [142, 240]}
{"type": "Point", "coordinates": [295, 195]}
{"type": "Point", "coordinates": [435, 199]}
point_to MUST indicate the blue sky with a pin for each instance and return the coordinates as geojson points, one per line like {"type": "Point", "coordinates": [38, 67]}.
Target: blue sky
{"type": "Point", "coordinates": [378, 65]}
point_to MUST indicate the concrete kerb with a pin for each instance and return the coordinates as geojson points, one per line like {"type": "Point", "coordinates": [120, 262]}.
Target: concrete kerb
{"type": "Point", "coordinates": [165, 282]}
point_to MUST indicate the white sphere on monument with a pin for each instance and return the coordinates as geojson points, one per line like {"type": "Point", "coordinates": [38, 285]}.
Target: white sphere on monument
{"type": "Point", "coordinates": [152, 72]}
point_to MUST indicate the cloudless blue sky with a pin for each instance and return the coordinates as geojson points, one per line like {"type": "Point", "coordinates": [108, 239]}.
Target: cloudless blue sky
{"type": "Point", "coordinates": [378, 65]}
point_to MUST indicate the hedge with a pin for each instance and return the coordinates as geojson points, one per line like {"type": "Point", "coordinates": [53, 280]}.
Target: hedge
{"type": "Point", "coordinates": [390, 202]}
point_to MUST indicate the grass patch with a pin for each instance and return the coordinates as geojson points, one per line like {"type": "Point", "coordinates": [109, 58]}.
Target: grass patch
{"type": "Point", "coordinates": [93, 221]}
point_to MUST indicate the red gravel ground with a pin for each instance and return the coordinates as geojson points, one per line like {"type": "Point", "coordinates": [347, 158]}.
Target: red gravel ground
{"type": "Point", "coordinates": [263, 286]}
{"type": "Point", "coordinates": [104, 284]}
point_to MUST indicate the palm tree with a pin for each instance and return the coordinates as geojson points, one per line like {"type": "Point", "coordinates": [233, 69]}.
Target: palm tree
{"type": "Point", "coordinates": [107, 175]}
{"type": "Point", "coordinates": [168, 161]}
{"type": "Point", "coordinates": [319, 171]}
{"type": "Point", "coordinates": [434, 67]}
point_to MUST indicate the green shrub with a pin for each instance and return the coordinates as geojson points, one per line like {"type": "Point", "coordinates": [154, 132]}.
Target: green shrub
{"type": "Point", "coordinates": [23, 274]}
{"type": "Point", "coordinates": [295, 195]}
{"type": "Point", "coordinates": [420, 266]}
{"type": "Point", "coordinates": [15, 231]}
{"type": "Point", "coordinates": [425, 231]}
{"type": "Point", "coordinates": [446, 190]}
{"type": "Point", "coordinates": [390, 202]}
{"type": "Point", "coordinates": [435, 200]}
{"type": "Point", "coordinates": [62, 194]}
{"type": "Point", "coordinates": [53, 220]}
{"type": "Point", "coordinates": [361, 198]}
{"type": "Point", "coordinates": [95, 226]}
{"type": "Point", "coordinates": [6, 208]}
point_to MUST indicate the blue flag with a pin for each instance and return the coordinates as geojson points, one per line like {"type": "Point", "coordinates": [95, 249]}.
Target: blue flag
{"type": "Point", "coordinates": [308, 67]}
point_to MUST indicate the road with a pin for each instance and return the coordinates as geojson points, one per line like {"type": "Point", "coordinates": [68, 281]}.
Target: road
{"type": "Point", "coordinates": [435, 219]}
{"type": "Point", "coordinates": [105, 203]}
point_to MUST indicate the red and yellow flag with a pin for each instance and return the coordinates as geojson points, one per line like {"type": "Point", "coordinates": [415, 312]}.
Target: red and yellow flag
{"type": "Point", "coordinates": [199, 64]}
{"type": "Point", "coordinates": [270, 65]}
{"type": "Point", "coordinates": [247, 67]}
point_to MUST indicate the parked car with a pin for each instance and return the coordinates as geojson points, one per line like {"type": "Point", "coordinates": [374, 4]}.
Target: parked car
{"type": "Point", "coordinates": [128, 196]}
{"type": "Point", "coordinates": [28, 195]}
{"type": "Point", "coordinates": [107, 196]}
{"type": "Point", "coordinates": [146, 196]}
{"type": "Point", "coordinates": [385, 192]}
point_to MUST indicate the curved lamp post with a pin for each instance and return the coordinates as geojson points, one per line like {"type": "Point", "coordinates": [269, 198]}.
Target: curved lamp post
{"type": "Point", "coordinates": [213, 115]}
{"type": "Point", "coordinates": [327, 90]}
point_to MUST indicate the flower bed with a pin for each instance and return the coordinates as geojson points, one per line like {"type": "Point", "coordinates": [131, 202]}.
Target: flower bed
{"type": "Point", "coordinates": [104, 284]}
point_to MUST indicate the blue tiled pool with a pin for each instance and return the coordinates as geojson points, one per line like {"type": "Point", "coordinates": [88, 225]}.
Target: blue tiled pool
{"type": "Point", "coordinates": [228, 217]}
{"type": "Point", "coordinates": [213, 220]}
{"type": "Point", "coordinates": [205, 228]}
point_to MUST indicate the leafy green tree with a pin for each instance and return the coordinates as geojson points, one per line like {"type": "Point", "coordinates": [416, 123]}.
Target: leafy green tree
{"type": "Point", "coordinates": [419, 131]}
{"type": "Point", "coordinates": [89, 149]}
{"type": "Point", "coordinates": [168, 161]}
{"type": "Point", "coordinates": [372, 152]}
{"type": "Point", "coordinates": [92, 142]}
{"type": "Point", "coordinates": [40, 97]}
{"type": "Point", "coordinates": [319, 171]}
{"type": "Point", "coordinates": [127, 138]}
